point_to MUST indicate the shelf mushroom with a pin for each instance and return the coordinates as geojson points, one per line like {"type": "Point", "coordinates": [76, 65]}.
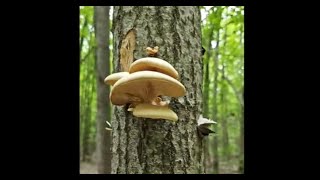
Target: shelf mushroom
{"type": "Point", "coordinates": [113, 78]}
{"type": "Point", "coordinates": [203, 126]}
{"type": "Point", "coordinates": [142, 90]}
{"type": "Point", "coordinates": [153, 64]}
{"type": "Point", "coordinates": [148, 79]}
{"type": "Point", "coordinates": [145, 87]}
{"type": "Point", "coordinates": [154, 112]}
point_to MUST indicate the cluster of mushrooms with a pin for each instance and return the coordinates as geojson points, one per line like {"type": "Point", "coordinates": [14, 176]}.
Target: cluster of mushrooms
{"type": "Point", "coordinates": [143, 85]}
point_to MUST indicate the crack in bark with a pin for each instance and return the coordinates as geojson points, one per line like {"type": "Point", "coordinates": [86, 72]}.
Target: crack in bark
{"type": "Point", "coordinates": [120, 32]}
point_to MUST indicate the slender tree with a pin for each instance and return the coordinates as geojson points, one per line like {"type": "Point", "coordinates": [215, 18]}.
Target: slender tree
{"type": "Point", "coordinates": [86, 104]}
{"type": "Point", "coordinates": [86, 97]}
{"type": "Point", "coordinates": [206, 94]}
{"type": "Point", "coordinates": [223, 101]}
{"type": "Point", "coordinates": [101, 16]}
{"type": "Point", "coordinates": [87, 85]}
{"type": "Point", "coordinates": [215, 105]}
{"type": "Point", "coordinates": [157, 146]}
{"type": "Point", "coordinates": [241, 163]}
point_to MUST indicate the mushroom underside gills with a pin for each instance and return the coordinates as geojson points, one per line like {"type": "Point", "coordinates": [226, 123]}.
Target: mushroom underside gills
{"type": "Point", "coordinates": [145, 86]}
{"type": "Point", "coordinates": [157, 102]}
{"type": "Point", "coordinates": [145, 110]}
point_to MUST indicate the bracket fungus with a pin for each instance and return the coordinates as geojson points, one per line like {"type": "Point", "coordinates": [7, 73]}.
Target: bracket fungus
{"type": "Point", "coordinates": [154, 112]}
{"type": "Point", "coordinates": [113, 78]}
{"type": "Point", "coordinates": [148, 79]}
{"type": "Point", "coordinates": [153, 64]}
{"type": "Point", "coordinates": [203, 126]}
{"type": "Point", "coordinates": [145, 87]}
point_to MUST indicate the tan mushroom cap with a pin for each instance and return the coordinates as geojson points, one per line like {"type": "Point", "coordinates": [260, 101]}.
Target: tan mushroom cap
{"type": "Point", "coordinates": [145, 86]}
{"type": "Point", "coordinates": [154, 112]}
{"type": "Point", "coordinates": [113, 78]}
{"type": "Point", "coordinates": [153, 64]}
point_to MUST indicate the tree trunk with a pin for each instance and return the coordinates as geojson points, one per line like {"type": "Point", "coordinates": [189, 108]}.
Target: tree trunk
{"type": "Point", "coordinates": [101, 15]}
{"type": "Point", "coordinates": [86, 97]}
{"type": "Point", "coordinates": [158, 146]}
{"type": "Point", "coordinates": [224, 125]}
{"type": "Point", "coordinates": [215, 106]}
{"type": "Point", "coordinates": [205, 114]}
{"type": "Point", "coordinates": [241, 163]}
{"type": "Point", "coordinates": [86, 133]}
{"type": "Point", "coordinates": [224, 122]}
{"type": "Point", "coordinates": [207, 157]}
{"type": "Point", "coordinates": [86, 102]}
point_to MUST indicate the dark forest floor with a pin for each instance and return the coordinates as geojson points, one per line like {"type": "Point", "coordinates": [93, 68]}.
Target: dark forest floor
{"type": "Point", "coordinates": [226, 167]}
{"type": "Point", "coordinates": [88, 168]}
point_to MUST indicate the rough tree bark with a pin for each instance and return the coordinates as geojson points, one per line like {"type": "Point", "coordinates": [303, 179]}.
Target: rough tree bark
{"type": "Point", "coordinates": [101, 15]}
{"type": "Point", "coordinates": [158, 146]}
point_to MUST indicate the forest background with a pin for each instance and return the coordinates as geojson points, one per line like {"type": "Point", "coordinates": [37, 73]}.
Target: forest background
{"type": "Point", "coordinates": [223, 81]}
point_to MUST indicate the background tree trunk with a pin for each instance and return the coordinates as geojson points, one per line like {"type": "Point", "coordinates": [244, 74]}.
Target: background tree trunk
{"type": "Point", "coordinates": [215, 106]}
{"type": "Point", "coordinates": [207, 158]}
{"type": "Point", "coordinates": [224, 122]}
{"type": "Point", "coordinates": [159, 146]}
{"type": "Point", "coordinates": [223, 96]}
{"type": "Point", "coordinates": [241, 163]}
{"type": "Point", "coordinates": [86, 118]}
{"type": "Point", "coordinates": [87, 91]}
{"type": "Point", "coordinates": [101, 20]}
{"type": "Point", "coordinates": [86, 133]}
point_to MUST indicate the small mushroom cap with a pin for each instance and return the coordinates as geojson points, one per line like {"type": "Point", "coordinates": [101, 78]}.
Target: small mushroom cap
{"type": "Point", "coordinates": [154, 112]}
{"type": "Point", "coordinates": [113, 78]}
{"type": "Point", "coordinates": [205, 121]}
{"type": "Point", "coordinates": [109, 126]}
{"type": "Point", "coordinates": [145, 86]}
{"type": "Point", "coordinates": [153, 64]}
{"type": "Point", "coordinates": [152, 51]}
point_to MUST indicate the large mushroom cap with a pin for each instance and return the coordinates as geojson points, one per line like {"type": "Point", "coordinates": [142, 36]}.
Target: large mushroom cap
{"type": "Point", "coordinates": [154, 112]}
{"type": "Point", "coordinates": [153, 64]}
{"type": "Point", "coordinates": [145, 86]}
{"type": "Point", "coordinates": [113, 78]}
